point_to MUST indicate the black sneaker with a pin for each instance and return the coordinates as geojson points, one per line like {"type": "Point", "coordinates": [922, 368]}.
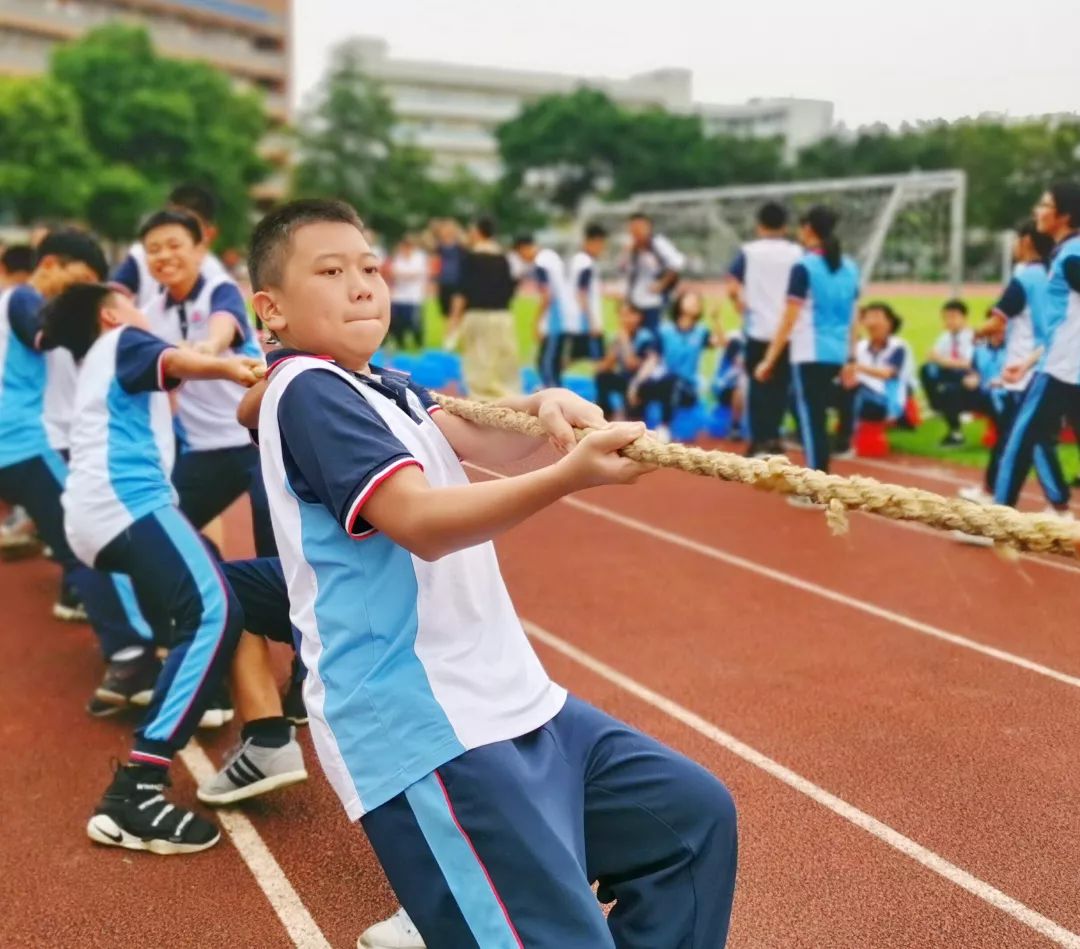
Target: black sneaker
{"type": "Point", "coordinates": [98, 709]}
{"type": "Point", "coordinates": [129, 681]}
{"type": "Point", "coordinates": [69, 607]}
{"type": "Point", "coordinates": [953, 440]}
{"type": "Point", "coordinates": [293, 705]}
{"type": "Point", "coordinates": [135, 815]}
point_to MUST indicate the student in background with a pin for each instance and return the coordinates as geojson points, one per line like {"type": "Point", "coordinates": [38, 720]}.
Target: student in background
{"type": "Point", "coordinates": [16, 265]}
{"type": "Point", "coordinates": [684, 338]}
{"type": "Point", "coordinates": [558, 319]}
{"type": "Point", "coordinates": [654, 266]}
{"type": "Point", "coordinates": [408, 277]}
{"type": "Point", "coordinates": [943, 373]}
{"type": "Point", "coordinates": [757, 284]}
{"type": "Point", "coordinates": [633, 369]}
{"type": "Point", "coordinates": [875, 386]}
{"type": "Point", "coordinates": [586, 286]}
{"type": "Point", "coordinates": [823, 291]}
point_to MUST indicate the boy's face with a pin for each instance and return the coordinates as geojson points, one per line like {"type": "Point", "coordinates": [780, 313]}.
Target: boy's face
{"type": "Point", "coordinates": [876, 325]}
{"type": "Point", "coordinates": [1047, 218]}
{"type": "Point", "coordinates": [332, 298]}
{"type": "Point", "coordinates": [595, 246]}
{"type": "Point", "coordinates": [527, 252]}
{"type": "Point", "coordinates": [629, 318]}
{"type": "Point", "coordinates": [954, 320]}
{"type": "Point", "coordinates": [120, 310]}
{"type": "Point", "coordinates": [172, 255]}
{"type": "Point", "coordinates": [53, 275]}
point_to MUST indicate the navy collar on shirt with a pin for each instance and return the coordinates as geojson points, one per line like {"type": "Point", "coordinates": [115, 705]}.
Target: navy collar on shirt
{"type": "Point", "coordinates": [195, 291]}
{"type": "Point", "coordinates": [391, 383]}
{"type": "Point", "coordinates": [1061, 243]}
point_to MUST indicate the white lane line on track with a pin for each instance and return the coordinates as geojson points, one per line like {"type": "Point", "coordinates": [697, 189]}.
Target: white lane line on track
{"type": "Point", "coordinates": [815, 589]}
{"type": "Point", "coordinates": [271, 879]}
{"type": "Point", "coordinates": [883, 832]}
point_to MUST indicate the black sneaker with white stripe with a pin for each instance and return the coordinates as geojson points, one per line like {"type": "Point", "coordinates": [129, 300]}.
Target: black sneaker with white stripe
{"type": "Point", "coordinates": [134, 814]}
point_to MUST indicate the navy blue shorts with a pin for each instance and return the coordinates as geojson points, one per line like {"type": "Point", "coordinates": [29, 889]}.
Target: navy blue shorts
{"type": "Point", "coordinates": [259, 585]}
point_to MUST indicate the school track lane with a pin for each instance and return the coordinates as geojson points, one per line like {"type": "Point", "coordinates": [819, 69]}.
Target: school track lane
{"type": "Point", "coordinates": [906, 726]}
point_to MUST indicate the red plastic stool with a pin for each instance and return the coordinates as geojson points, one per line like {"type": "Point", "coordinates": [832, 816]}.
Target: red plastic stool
{"type": "Point", "coordinates": [870, 440]}
{"type": "Point", "coordinates": [989, 439]}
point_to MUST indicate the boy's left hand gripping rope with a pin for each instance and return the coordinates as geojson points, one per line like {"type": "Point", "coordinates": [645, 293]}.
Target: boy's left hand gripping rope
{"type": "Point", "coordinates": [1008, 528]}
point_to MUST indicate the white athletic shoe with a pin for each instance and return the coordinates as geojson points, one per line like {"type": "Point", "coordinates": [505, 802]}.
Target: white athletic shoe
{"type": "Point", "coordinates": [662, 434]}
{"type": "Point", "coordinates": [972, 540]}
{"type": "Point", "coordinates": [1060, 515]}
{"type": "Point", "coordinates": [975, 494]}
{"type": "Point", "coordinates": [397, 932]}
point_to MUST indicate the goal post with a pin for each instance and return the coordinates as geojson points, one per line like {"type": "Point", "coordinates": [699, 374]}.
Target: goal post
{"type": "Point", "coordinates": [908, 227]}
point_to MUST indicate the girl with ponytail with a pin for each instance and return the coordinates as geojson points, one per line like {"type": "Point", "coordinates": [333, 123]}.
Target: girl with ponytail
{"type": "Point", "coordinates": [819, 322]}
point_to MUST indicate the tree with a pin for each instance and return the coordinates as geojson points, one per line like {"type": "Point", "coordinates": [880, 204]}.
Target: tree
{"type": "Point", "coordinates": [561, 148]}
{"type": "Point", "coordinates": [46, 162]}
{"type": "Point", "coordinates": [119, 197]}
{"type": "Point", "coordinates": [165, 120]}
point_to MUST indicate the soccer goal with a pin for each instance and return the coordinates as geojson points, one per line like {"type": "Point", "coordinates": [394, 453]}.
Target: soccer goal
{"type": "Point", "coordinates": [898, 227]}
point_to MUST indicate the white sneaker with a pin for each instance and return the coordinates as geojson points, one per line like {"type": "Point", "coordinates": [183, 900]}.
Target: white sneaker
{"type": "Point", "coordinates": [848, 454]}
{"type": "Point", "coordinates": [975, 495]}
{"type": "Point", "coordinates": [1066, 515]}
{"type": "Point", "coordinates": [397, 932]}
{"type": "Point", "coordinates": [972, 540]}
{"type": "Point", "coordinates": [662, 434]}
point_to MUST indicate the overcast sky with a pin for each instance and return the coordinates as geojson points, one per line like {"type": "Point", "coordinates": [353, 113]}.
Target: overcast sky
{"type": "Point", "coordinates": [889, 62]}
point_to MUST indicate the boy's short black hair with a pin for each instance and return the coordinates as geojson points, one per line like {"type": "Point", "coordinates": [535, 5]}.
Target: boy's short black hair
{"type": "Point", "coordinates": [640, 216]}
{"type": "Point", "coordinates": [955, 304]}
{"type": "Point", "coordinates": [272, 235]}
{"type": "Point", "coordinates": [201, 201]}
{"type": "Point", "coordinates": [167, 216]}
{"type": "Point", "coordinates": [772, 216]}
{"type": "Point", "coordinates": [69, 244]}
{"type": "Point", "coordinates": [1043, 243]}
{"type": "Point", "coordinates": [595, 232]}
{"type": "Point", "coordinates": [524, 240]}
{"type": "Point", "coordinates": [1066, 195]}
{"type": "Point", "coordinates": [71, 319]}
{"type": "Point", "coordinates": [18, 258]}
{"type": "Point", "coordinates": [485, 224]}
{"type": "Point", "coordinates": [890, 314]}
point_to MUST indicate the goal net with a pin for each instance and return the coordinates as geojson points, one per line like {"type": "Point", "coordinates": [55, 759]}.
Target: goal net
{"type": "Point", "coordinates": [898, 227]}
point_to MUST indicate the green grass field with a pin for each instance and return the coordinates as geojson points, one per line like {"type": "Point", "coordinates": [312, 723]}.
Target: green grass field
{"type": "Point", "coordinates": [922, 325]}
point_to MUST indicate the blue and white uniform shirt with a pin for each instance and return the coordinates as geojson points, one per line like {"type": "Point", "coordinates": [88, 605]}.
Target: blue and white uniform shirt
{"type": "Point", "coordinates": [134, 274]}
{"type": "Point", "coordinates": [563, 314]}
{"type": "Point", "coordinates": [410, 663]}
{"type": "Point", "coordinates": [763, 269]}
{"type": "Point", "coordinates": [22, 376]}
{"type": "Point", "coordinates": [646, 266]}
{"type": "Point", "coordinates": [823, 330]}
{"type": "Point", "coordinates": [1063, 312]}
{"type": "Point", "coordinates": [585, 280]}
{"type": "Point", "coordinates": [1023, 304]}
{"type": "Point", "coordinates": [683, 349]}
{"type": "Point", "coordinates": [206, 408]}
{"type": "Point", "coordinates": [122, 442]}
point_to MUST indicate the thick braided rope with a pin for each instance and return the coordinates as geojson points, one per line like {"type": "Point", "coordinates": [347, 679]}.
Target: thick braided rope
{"type": "Point", "coordinates": [1003, 525]}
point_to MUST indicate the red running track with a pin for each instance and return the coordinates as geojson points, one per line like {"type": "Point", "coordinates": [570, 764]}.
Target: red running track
{"type": "Point", "coordinates": [853, 662]}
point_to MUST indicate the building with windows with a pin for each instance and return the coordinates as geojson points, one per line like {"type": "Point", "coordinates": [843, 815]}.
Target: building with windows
{"type": "Point", "coordinates": [452, 110]}
{"type": "Point", "coordinates": [248, 39]}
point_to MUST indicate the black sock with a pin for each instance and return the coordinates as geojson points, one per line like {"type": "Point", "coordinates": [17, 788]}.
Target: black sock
{"type": "Point", "coordinates": [268, 732]}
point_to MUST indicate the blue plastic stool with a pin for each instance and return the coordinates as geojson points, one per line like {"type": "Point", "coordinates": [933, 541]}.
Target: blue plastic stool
{"type": "Point", "coordinates": [688, 423]}
{"type": "Point", "coordinates": [581, 385]}
{"type": "Point", "coordinates": [719, 421]}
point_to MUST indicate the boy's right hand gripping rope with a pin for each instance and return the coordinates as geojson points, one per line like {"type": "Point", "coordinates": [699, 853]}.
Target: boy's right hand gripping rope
{"type": "Point", "coordinates": [1008, 528]}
